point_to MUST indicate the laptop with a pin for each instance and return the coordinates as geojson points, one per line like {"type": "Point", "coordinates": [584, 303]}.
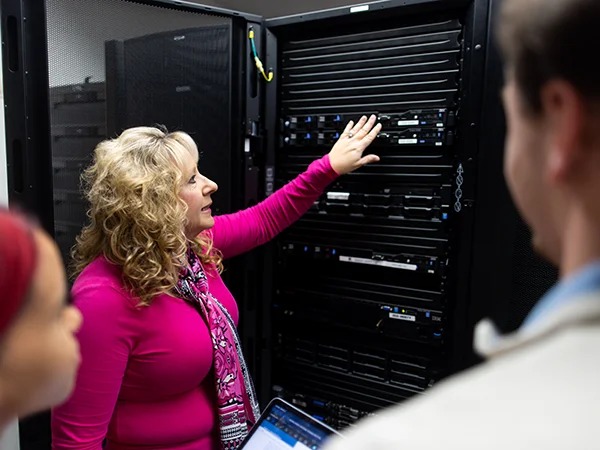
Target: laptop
{"type": "Point", "coordinates": [283, 426]}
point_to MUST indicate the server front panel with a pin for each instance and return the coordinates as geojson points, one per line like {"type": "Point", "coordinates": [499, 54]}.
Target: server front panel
{"type": "Point", "coordinates": [364, 291]}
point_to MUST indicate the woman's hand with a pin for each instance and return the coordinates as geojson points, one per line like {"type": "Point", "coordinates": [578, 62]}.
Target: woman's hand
{"type": "Point", "coordinates": [347, 154]}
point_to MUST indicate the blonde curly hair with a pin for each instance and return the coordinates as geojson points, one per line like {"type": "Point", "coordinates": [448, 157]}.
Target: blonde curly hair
{"type": "Point", "coordinates": [136, 217]}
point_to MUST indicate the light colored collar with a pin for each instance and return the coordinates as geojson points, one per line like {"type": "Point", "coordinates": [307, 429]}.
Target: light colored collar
{"type": "Point", "coordinates": [489, 343]}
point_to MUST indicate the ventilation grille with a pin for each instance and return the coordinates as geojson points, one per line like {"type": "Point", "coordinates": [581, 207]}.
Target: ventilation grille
{"type": "Point", "coordinates": [382, 71]}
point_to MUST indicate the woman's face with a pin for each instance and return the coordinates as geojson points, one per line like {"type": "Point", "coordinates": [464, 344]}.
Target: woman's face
{"type": "Point", "coordinates": [196, 192]}
{"type": "Point", "coordinates": [39, 355]}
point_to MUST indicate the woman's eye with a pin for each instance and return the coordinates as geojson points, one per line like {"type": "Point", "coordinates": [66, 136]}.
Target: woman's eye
{"type": "Point", "coordinates": [193, 180]}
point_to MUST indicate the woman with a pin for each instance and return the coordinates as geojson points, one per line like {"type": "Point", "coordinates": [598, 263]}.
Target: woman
{"type": "Point", "coordinates": [161, 361]}
{"type": "Point", "coordinates": [39, 354]}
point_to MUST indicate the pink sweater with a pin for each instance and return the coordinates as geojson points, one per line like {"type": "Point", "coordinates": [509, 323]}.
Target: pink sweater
{"type": "Point", "coordinates": [145, 378]}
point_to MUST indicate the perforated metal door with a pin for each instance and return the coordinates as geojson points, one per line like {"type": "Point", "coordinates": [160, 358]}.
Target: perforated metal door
{"type": "Point", "coordinates": [158, 65]}
{"type": "Point", "coordinates": [77, 33]}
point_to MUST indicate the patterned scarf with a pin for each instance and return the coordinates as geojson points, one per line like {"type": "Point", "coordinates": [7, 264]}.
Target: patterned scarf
{"type": "Point", "coordinates": [237, 406]}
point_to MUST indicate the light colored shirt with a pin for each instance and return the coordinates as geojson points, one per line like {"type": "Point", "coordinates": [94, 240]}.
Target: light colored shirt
{"type": "Point", "coordinates": [571, 289]}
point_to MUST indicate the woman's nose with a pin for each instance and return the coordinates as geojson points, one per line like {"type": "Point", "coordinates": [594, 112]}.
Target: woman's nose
{"type": "Point", "coordinates": [210, 187]}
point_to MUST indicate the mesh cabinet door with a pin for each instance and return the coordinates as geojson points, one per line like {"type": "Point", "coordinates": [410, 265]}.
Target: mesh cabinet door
{"type": "Point", "coordinates": [173, 69]}
{"type": "Point", "coordinates": [65, 91]}
{"type": "Point", "coordinates": [180, 79]}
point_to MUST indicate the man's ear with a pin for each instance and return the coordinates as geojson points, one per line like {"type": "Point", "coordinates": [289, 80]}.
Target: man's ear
{"type": "Point", "coordinates": [563, 111]}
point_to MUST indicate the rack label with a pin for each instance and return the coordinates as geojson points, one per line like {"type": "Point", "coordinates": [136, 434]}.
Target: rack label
{"type": "Point", "coordinates": [360, 8]}
{"type": "Point", "coordinates": [338, 195]}
{"type": "Point", "coordinates": [403, 123]}
{"type": "Point", "coordinates": [374, 262]}
{"type": "Point", "coordinates": [407, 141]}
{"type": "Point", "coordinates": [403, 317]}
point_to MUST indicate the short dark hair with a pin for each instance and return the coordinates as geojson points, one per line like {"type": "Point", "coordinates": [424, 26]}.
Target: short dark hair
{"type": "Point", "coordinates": [546, 39]}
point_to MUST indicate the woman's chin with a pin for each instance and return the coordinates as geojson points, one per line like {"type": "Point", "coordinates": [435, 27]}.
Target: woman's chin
{"type": "Point", "coordinates": [207, 222]}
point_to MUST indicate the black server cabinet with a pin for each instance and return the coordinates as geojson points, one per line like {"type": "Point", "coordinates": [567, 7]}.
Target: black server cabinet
{"type": "Point", "coordinates": [372, 296]}
{"type": "Point", "coordinates": [182, 80]}
{"type": "Point", "coordinates": [371, 291]}
{"type": "Point", "coordinates": [77, 126]}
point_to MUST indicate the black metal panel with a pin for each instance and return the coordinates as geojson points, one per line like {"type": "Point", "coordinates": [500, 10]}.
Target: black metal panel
{"type": "Point", "coordinates": [204, 9]}
{"type": "Point", "coordinates": [468, 153]}
{"type": "Point", "coordinates": [387, 249]}
{"type": "Point", "coordinates": [376, 10]}
{"type": "Point", "coordinates": [186, 80]}
{"type": "Point", "coordinates": [245, 271]}
{"type": "Point", "coordinates": [78, 115]}
{"type": "Point", "coordinates": [508, 278]}
{"type": "Point", "coordinates": [25, 75]}
{"type": "Point", "coordinates": [264, 335]}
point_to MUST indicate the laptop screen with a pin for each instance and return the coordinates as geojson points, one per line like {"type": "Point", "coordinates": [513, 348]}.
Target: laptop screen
{"type": "Point", "coordinates": [284, 429]}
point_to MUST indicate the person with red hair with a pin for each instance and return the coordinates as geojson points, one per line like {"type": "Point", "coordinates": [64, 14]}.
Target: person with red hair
{"type": "Point", "coordinates": [39, 353]}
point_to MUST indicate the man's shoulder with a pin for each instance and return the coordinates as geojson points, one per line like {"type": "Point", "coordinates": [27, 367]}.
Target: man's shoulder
{"type": "Point", "coordinates": [540, 395]}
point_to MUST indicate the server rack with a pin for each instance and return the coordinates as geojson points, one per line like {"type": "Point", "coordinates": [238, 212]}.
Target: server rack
{"type": "Point", "coordinates": [369, 304]}
{"type": "Point", "coordinates": [77, 126]}
{"type": "Point", "coordinates": [372, 296]}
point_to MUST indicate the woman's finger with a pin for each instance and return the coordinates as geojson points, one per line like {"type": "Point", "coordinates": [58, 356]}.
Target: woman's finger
{"type": "Point", "coordinates": [348, 128]}
{"type": "Point", "coordinates": [369, 159]}
{"type": "Point", "coordinates": [359, 125]}
{"type": "Point", "coordinates": [366, 127]}
{"type": "Point", "coordinates": [369, 138]}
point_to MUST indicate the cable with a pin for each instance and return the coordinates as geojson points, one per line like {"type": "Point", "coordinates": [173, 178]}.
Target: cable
{"type": "Point", "coordinates": [259, 64]}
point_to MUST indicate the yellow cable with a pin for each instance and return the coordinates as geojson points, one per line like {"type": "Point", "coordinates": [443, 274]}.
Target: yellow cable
{"type": "Point", "coordinates": [259, 64]}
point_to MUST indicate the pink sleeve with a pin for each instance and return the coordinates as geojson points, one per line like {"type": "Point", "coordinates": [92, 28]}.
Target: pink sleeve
{"type": "Point", "coordinates": [106, 343]}
{"type": "Point", "coordinates": [242, 231]}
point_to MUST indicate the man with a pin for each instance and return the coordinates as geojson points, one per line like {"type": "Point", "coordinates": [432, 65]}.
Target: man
{"type": "Point", "coordinates": [539, 389]}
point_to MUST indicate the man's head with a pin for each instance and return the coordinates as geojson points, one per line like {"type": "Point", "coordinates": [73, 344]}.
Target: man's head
{"type": "Point", "coordinates": [39, 354]}
{"type": "Point", "coordinates": [552, 102]}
